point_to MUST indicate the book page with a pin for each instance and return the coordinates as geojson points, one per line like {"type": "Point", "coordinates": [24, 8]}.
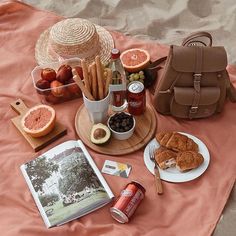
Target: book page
{"type": "Point", "coordinates": [66, 183]}
{"type": "Point", "coordinates": [98, 173]}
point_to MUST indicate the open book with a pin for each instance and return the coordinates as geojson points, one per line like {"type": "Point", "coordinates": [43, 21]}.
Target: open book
{"type": "Point", "coordinates": [66, 183]}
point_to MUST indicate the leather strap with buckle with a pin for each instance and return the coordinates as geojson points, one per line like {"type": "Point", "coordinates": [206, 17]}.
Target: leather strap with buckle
{"type": "Point", "coordinates": [197, 81]}
{"type": "Point", "coordinates": [197, 76]}
{"type": "Point", "coordinates": [196, 97]}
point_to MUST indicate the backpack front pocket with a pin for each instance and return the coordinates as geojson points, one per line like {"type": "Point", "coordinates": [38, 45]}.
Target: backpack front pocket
{"type": "Point", "coordinates": [183, 102]}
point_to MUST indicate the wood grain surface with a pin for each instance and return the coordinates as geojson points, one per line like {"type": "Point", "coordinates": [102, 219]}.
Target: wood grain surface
{"type": "Point", "coordinates": [36, 143]}
{"type": "Point", "coordinates": [144, 131]}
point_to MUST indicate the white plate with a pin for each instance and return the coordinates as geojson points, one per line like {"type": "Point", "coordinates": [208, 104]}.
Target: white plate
{"type": "Point", "coordinates": [172, 174]}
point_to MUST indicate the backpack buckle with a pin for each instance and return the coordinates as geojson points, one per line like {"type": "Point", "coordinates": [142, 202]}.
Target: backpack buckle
{"type": "Point", "coordinates": [192, 112]}
{"type": "Point", "coordinates": [193, 109]}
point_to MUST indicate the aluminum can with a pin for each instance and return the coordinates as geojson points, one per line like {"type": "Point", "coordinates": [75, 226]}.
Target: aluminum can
{"type": "Point", "coordinates": [136, 98]}
{"type": "Point", "coordinates": [126, 204]}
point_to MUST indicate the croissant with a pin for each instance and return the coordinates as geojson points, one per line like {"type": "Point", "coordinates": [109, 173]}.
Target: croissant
{"type": "Point", "coordinates": [188, 160]}
{"type": "Point", "coordinates": [165, 158]}
{"type": "Point", "coordinates": [176, 141]}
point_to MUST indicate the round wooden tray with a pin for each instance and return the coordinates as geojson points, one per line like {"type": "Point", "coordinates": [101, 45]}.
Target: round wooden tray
{"type": "Point", "coordinates": [144, 130]}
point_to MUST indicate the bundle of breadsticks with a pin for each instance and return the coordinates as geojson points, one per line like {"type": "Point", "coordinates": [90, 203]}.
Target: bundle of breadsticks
{"type": "Point", "coordinates": [97, 79]}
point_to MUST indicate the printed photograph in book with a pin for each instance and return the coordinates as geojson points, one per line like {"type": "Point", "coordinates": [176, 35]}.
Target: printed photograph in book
{"type": "Point", "coordinates": [65, 184]}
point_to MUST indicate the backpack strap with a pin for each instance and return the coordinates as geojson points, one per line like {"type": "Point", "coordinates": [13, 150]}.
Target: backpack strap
{"type": "Point", "coordinates": [192, 40]}
{"type": "Point", "coordinates": [197, 77]}
{"type": "Point", "coordinates": [151, 73]}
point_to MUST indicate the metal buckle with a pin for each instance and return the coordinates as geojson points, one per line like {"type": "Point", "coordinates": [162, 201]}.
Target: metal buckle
{"type": "Point", "coordinates": [193, 109]}
{"type": "Point", "coordinates": [197, 76]}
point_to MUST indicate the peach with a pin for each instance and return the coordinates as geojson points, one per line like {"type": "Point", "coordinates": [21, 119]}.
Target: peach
{"type": "Point", "coordinates": [57, 88]}
{"type": "Point", "coordinates": [48, 74]}
{"type": "Point", "coordinates": [64, 73]}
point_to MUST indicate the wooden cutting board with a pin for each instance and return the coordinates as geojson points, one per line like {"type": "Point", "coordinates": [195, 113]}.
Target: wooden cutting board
{"type": "Point", "coordinates": [36, 143]}
{"type": "Point", "coordinates": [144, 131]}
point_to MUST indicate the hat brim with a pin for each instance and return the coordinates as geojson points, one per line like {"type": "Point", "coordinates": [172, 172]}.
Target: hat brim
{"type": "Point", "coordinates": [105, 40]}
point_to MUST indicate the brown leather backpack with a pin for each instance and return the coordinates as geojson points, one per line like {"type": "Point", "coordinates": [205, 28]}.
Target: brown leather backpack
{"type": "Point", "coordinates": [194, 82]}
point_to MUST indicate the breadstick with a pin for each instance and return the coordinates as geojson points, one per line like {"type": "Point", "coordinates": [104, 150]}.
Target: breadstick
{"type": "Point", "coordinates": [89, 76]}
{"type": "Point", "coordinates": [85, 74]}
{"type": "Point", "coordinates": [94, 81]}
{"type": "Point", "coordinates": [108, 81]}
{"type": "Point", "coordinates": [99, 77]}
{"type": "Point", "coordinates": [79, 82]}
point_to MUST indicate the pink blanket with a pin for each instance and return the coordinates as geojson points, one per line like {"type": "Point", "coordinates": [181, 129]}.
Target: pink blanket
{"type": "Point", "coordinates": [186, 209]}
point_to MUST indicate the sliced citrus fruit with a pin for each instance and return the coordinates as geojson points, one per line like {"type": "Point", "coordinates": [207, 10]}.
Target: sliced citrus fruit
{"type": "Point", "coordinates": [135, 59]}
{"type": "Point", "coordinates": [39, 121]}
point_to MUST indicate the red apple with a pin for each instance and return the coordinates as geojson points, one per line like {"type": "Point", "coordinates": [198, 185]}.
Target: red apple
{"type": "Point", "coordinates": [52, 99]}
{"type": "Point", "coordinates": [74, 88]}
{"type": "Point", "coordinates": [43, 86]}
{"type": "Point", "coordinates": [67, 95]}
{"type": "Point", "coordinates": [79, 71]}
{"type": "Point", "coordinates": [64, 73]}
{"type": "Point", "coordinates": [48, 74]}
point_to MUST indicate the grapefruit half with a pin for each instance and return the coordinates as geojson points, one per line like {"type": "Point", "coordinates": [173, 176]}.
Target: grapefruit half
{"type": "Point", "coordinates": [135, 59]}
{"type": "Point", "coordinates": [39, 121]}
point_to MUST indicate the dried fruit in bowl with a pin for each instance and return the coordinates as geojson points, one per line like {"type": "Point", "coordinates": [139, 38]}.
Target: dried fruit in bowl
{"type": "Point", "coordinates": [64, 73]}
{"type": "Point", "coordinates": [48, 74]}
{"type": "Point", "coordinates": [57, 88]}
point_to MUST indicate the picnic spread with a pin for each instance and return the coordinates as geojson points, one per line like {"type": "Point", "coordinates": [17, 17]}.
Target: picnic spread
{"type": "Point", "coordinates": [171, 140]}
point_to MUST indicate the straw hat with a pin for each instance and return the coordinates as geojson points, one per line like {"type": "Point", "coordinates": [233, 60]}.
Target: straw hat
{"type": "Point", "coordinates": [74, 37]}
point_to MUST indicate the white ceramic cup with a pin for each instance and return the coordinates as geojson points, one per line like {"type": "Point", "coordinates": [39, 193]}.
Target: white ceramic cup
{"type": "Point", "coordinates": [97, 110]}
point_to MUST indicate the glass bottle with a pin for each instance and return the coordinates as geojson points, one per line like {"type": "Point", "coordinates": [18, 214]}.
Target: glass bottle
{"type": "Point", "coordinates": [118, 83]}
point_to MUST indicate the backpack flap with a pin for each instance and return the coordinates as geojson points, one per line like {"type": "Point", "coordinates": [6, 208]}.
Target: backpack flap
{"type": "Point", "coordinates": [183, 100]}
{"type": "Point", "coordinates": [213, 59]}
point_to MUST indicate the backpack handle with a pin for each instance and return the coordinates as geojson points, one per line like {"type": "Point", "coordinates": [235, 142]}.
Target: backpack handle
{"type": "Point", "coordinates": [191, 39]}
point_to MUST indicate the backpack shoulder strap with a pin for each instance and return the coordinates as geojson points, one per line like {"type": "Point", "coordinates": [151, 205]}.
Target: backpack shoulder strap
{"type": "Point", "coordinates": [195, 38]}
{"type": "Point", "coordinates": [154, 66]}
{"type": "Point", "coordinates": [151, 74]}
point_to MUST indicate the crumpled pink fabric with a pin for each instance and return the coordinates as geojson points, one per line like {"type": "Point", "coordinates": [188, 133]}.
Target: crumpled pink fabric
{"type": "Point", "coordinates": [186, 209]}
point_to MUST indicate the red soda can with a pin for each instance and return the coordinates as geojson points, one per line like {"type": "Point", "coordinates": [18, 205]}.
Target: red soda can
{"type": "Point", "coordinates": [127, 202]}
{"type": "Point", "coordinates": [136, 98]}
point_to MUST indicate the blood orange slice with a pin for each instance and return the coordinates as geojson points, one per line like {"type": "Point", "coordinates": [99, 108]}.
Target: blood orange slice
{"type": "Point", "coordinates": [135, 59]}
{"type": "Point", "coordinates": [39, 121]}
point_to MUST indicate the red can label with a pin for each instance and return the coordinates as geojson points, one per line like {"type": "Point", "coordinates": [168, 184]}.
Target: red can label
{"type": "Point", "coordinates": [136, 98]}
{"type": "Point", "coordinates": [128, 201]}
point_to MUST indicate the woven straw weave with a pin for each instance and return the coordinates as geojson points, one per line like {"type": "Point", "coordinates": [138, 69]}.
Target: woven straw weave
{"type": "Point", "coordinates": [74, 37]}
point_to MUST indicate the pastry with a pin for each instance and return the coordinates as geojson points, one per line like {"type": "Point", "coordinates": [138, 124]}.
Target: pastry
{"type": "Point", "coordinates": [176, 141]}
{"type": "Point", "coordinates": [165, 158]}
{"type": "Point", "coordinates": [188, 160]}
